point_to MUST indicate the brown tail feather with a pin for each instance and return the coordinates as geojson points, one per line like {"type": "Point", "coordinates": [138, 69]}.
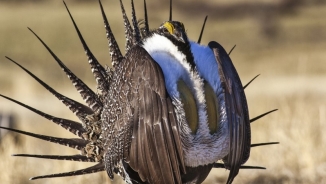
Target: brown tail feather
{"type": "Point", "coordinates": [79, 158]}
{"type": "Point", "coordinates": [72, 126]}
{"type": "Point", "coordinates": [136, 33]}
{"type": "Point", "coordinates": [97, 69]}
{"type": "Point", "coordinates": [202, 30]}
{"type": "Point", "coordinates": [263, 144]}
{"type": "Point", "coordinates": [128, 28]}
{"type": "Point", "coordinates": [96, 168]}
{"type": "Point", "coordinates": [115, 52]}
{"type": "Point", "coordinates": [79, 109]}
{"type": "Point", "coordinates": [146, 19]}
{"type": "Point", "coordinates": [262, 115]}
{"type": "Point", "coordinates": [73, 143]}
{"type": "Point", "coordinates": [87, 94]}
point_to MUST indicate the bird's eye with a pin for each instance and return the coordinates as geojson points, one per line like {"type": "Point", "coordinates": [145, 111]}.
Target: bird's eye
{"type": "Point", "coordinates": [165, 30]}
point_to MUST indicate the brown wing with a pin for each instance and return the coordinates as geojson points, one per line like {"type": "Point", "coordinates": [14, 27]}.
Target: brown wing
{"type": "Point", "coordinates": [237, 112]}
{"type": "Point", "coordinates": [155, 152]}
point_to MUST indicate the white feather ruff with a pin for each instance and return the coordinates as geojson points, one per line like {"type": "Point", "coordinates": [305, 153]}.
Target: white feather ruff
{"type": "Point", "coordinates": [201, 148]}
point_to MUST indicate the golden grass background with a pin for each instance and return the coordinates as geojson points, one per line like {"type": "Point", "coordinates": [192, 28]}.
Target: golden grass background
{"type": "Point", "coordinates": [288, 49]}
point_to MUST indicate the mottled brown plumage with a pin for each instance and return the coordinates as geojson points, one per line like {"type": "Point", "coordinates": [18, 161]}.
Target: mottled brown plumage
{"type": "Point", "coordinates": [145, 120]}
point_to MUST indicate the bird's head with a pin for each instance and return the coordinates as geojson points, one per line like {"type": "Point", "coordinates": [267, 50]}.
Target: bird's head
{"type": "Point", "coordinates": [173, 30]}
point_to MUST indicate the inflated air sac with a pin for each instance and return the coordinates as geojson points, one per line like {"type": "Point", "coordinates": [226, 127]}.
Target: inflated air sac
{"type": "Point", "coordinates": [189, 105]}
{"type": "Point", "coordinates": [213, 115]}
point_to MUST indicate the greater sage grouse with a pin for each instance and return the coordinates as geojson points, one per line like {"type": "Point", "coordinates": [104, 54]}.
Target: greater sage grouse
{"type": "Point", "coordinates": [165, 113]}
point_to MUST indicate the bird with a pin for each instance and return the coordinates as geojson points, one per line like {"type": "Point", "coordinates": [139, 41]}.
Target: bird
{"type": "Point", "coordinates": [166, 112]}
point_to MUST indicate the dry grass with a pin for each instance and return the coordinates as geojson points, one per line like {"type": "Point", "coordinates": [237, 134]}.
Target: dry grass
{"type": "Point", "coordinates": [292, 65]}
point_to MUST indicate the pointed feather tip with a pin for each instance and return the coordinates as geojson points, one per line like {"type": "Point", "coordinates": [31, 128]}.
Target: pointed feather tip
{"type": "Point", "coordinates": [252, 167]}
{"type": "Point", "coordinates": [35, 178]}
{"type": "Point", "coordinates": [232, 49]}
{"type": "Point", "coordinates": [220, 165]}
{"type": "Point", "coordinates": [170, 13]}
{"type": "Point", "coordinates": [7, 57]}
{"type": "Point", "coordinates": [264, 144]}
{"type": "Point", "coordinates": [32, 31]}
{"type": "Point", "coordinates": [202, 30]}
{"type": "Point", "coordinates": [245, 86]}
{"type": "Point", "coordinates": [100, 2]}
{"type": "Point", "coordinates": [262, 115]}
{"type": "Point", "coordinates": [18, 155]}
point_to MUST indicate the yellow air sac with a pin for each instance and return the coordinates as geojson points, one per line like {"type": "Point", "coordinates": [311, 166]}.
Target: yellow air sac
{"type": "Point", "coordinates": [213, 116]}
{"type": "Point", "coordinates": [189, 106]}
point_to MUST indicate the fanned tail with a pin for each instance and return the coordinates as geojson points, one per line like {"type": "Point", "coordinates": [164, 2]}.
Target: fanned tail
{"type": "Point", "coordinates": [78, 144]}
{"type": "Point", "coordinates": [97, 69]}
{"type": "Point", "coordinates": [86, 93]}
{"type": "Point", "coordinates": [115, 52]}
{"type": "Point", "coordinates": [77, 108]}
{"type": "Point", "coordinates": [136, 32]}
{"type": "Point", "coordinates": [128, 28]}
{"type": "Point", "coordinates": [72, 126]}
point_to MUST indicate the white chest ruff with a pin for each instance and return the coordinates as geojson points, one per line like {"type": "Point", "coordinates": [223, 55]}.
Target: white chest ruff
{"type": "Point", "coordinates": [201, 148]}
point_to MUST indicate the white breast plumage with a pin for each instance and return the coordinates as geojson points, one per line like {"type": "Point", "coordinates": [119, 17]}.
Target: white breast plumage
{"type": "Point", "coordinates": [200, 148]}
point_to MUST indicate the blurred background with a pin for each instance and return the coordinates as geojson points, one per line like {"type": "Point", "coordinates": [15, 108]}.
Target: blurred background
{"type": "Point", "coordinates": [283, 40]}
